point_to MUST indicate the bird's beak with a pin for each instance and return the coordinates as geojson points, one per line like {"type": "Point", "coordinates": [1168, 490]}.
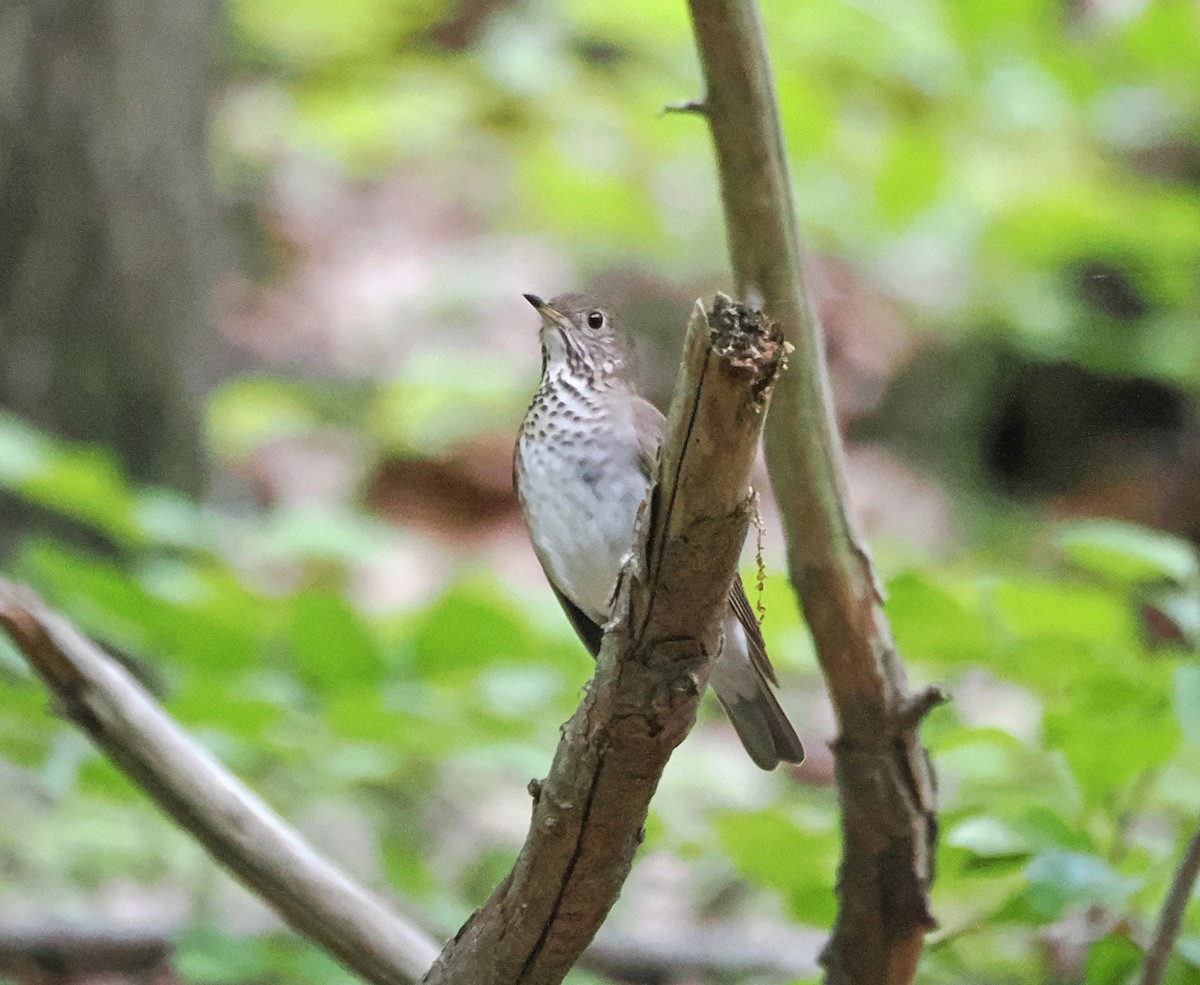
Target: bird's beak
{"type": "Point", "coordinates": [550, 316]}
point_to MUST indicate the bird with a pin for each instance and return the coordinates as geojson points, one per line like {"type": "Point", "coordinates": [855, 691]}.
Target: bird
{"type": "Point", "coordinates": [582, 466]}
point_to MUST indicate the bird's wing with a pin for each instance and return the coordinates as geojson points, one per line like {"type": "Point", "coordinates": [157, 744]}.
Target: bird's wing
{"type": "Point", "coordinates": [591, 633]}
{"type": "Point", "coordinates": [648, 422]}
{"type": "Point", "coordinates": [754, 638]}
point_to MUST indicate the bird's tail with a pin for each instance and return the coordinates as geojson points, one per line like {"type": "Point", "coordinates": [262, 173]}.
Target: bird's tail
{"type": "Point", "coordinates": [751, 705]}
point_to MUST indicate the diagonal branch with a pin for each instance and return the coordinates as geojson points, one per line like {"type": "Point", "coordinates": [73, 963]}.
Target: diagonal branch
{"type": "Point", "coordinates": [100, 696]}
{"type": "Point", "coordinates": [885, 780]}
{"type": "Point", "coordinates": [588, 813]}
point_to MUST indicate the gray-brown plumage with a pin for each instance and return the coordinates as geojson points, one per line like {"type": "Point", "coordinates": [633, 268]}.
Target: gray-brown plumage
{"type": "Point", "coordinates": [582, 468]}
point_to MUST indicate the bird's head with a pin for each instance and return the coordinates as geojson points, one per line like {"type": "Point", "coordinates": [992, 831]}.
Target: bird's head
{"type": "Point", "coordinates": [580, 337]}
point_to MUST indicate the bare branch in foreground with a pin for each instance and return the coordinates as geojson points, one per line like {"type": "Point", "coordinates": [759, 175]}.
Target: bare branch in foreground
{"type": "Point", "coordinates": [241, 832]}
{"type": "Point", "coordinates": [1171, 918]}
{"type": "Point", "coordinates": [884, 777]}
{"type": "Point", "coordinates": [588, 813]}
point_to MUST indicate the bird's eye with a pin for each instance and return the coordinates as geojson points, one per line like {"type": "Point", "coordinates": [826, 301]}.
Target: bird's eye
{"type": "Point", "coordinates": [595, 319]}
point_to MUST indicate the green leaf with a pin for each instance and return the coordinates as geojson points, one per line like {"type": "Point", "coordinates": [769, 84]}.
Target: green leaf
{"type": "Point", "coordinates": [589, 203]}
{"type": "Point", "coordinates": [388, 112]}
{"type": "Point", "coordinates": [205, 701]}
{"type": "Point", "coordinates": [23, 452]}
{"type": "Point", "coordinates": [1059, 881]}
{"type": "Point", "coordinates": [167, 519]}
{"type": "Point", "coordinates": [1111, 960]}
{"type": "Point", "coordinates": [1113, 729]}
{"type": "Point", "coordinates": [208, 956]}
{"type": "Point", "coordinates": [473, 626]}
{"type": "Point", "coordinates": [1127, 552]}
{"type": "Point", "coordinates": [770, 850]}
{"type": "Point", "coordinates": [987, 837]}
{"type": "Point", "coordinates": [932, 624]}
{"type": "Point", "coordinates": [444, 397]}
{"type": "Point", "coordinates": [334, 647]}
{"type": "Point", "coordinates": [1188, 948]}
{"type": "Point", "coordinates": [1045, 828]}
{"type": "Point", "coordinates": [809, 110]}
{"type": "Point", "coordinates": [1186, 701]}
{"type": "Point", "coordinates": [311, 33]}
{"type": "Point", "coordinates": [27, 727]}
{"type": "Point", "coordinates": [97, 593]}
{"type": "Point", "coordinates": [409, 718]}
{"type": "Point", "coordinates": [100, 777]}
{"type": "Point", "coordinates": [80, 482]}
{"type": "Point", "coordinates": [358, 763]}
{"type": "Point", "coordinates": [911, 175]}
{"type": "Point", "coordinates": [308, 533]}
{"type": "Point", "coordinates": [245, 414]}
{"type": "Point", "coordinates": [189, 616]}
{"type": "Point", "coordinates": [1043, 609]}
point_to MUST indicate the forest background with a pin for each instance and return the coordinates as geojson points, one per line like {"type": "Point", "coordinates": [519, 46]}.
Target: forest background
{"type": "Point", "coordinates": [264, 353]}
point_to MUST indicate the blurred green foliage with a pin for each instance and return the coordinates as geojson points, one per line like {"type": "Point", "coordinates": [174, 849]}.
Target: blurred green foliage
{"type": "Point", "coordinates": [1002, 167]}
{"type": "Point", "coordinates": [979, 161]}
{"type": "Point", "coordinates": [1066, 789]}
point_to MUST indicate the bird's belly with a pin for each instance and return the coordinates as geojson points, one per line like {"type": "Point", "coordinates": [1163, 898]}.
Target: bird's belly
{"type": "Point", "coordinates": [581, 513]}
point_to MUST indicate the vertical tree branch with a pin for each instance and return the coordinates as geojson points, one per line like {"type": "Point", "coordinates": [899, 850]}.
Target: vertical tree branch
{"type": "Point", "coordinates": [884, 778]}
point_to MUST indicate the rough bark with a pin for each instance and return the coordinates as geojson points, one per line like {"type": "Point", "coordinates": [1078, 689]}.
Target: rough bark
{"type": "Point", "coordinates": [885, 780]}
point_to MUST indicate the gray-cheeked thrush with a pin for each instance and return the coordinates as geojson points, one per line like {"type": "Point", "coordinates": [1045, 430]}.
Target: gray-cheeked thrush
{"type": "Point", "coordinates": [582, 468]}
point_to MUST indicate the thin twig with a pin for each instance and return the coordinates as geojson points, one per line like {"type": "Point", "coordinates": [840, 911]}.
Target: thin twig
{"type": "Point", "coordinates": [1171, 918]}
